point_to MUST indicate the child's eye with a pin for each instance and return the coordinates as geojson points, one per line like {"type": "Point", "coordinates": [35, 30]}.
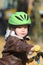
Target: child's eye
{"type": "Point", "coordinates": [25, 26]}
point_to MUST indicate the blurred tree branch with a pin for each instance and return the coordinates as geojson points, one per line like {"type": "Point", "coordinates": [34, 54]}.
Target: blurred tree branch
{"type": "Point", "coordinates": [37, 27]}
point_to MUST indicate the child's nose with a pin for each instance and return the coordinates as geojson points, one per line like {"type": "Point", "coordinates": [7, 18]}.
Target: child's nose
{"type": "Point", "coordinates": [23, 29]}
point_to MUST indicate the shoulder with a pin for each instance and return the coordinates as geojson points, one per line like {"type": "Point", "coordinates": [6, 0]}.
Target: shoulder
{"type": "Point", "coordinates": [12, 39]}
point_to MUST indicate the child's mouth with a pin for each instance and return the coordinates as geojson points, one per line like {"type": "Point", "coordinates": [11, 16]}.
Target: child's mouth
{"type": "Point", "coordinates": [22, 33]}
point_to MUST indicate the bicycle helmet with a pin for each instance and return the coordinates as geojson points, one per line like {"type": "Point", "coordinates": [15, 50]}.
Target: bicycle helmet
{"type": "Point", "coordinates": [19, 18]}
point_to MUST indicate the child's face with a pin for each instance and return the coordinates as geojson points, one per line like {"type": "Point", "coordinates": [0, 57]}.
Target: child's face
{"type": "Point", "coordinates": [22, 31]}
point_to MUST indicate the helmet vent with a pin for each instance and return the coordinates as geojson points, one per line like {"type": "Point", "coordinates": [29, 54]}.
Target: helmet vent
{"type": "Point", "coordinates": [18, 18]}
{"type": "Point", "coordinates": [21, 17]}
{"type": "Point", "coordinates": [27, 17]}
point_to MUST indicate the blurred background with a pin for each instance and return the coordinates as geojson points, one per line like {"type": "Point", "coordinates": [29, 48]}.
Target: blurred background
{"type": "Point", "coordinates": [34, 8]}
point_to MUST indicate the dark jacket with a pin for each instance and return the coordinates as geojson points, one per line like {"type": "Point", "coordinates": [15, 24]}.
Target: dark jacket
{"type": "Point", "coordinates": [15, 52]}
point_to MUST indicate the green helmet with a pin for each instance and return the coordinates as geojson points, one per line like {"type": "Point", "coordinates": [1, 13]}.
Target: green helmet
{"type": "Point", "coordinates": [19, 18]}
